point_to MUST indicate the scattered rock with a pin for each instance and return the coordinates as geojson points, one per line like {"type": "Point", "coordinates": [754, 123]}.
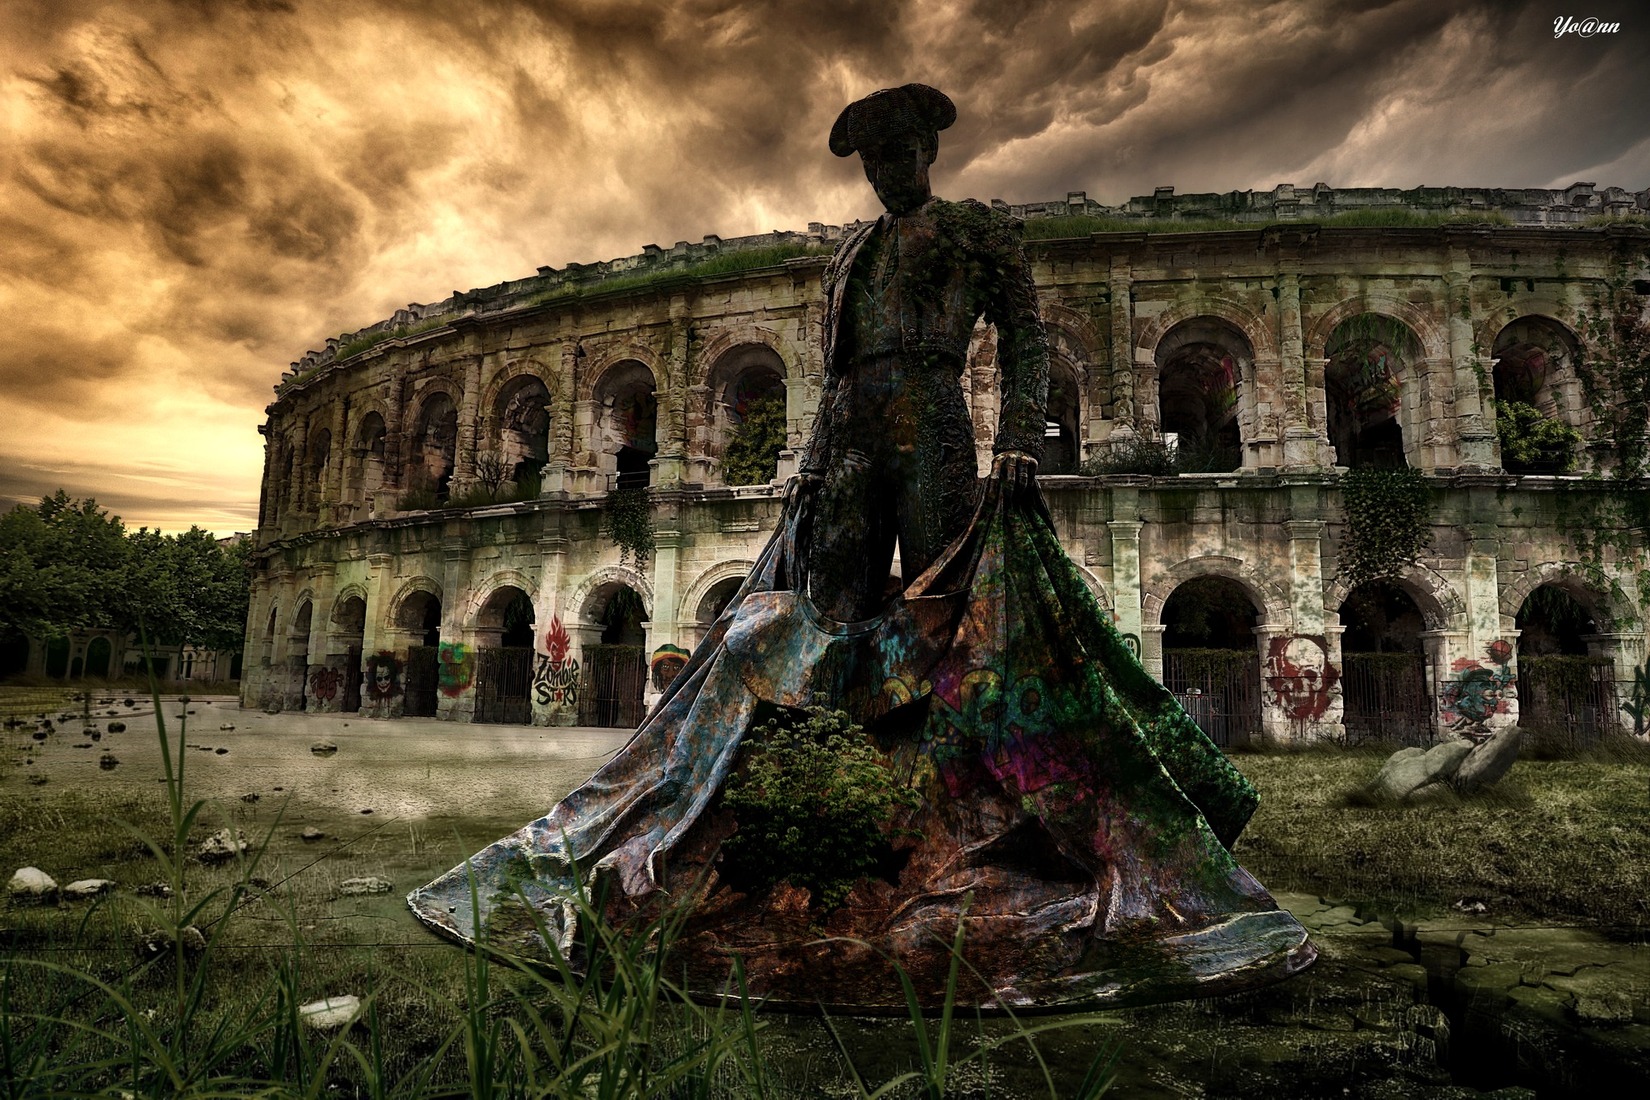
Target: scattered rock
{"type": "Point", "coordinates": [311, 834]}
{"type": "Point", "coordinates": [1487, 763]}
{"type": "Point", "coordinates": [222, 752]}
{"type": "Point", "coordinates": [273, 708]}
{"type": "Point", "coordinates": [331, 1013]}
{"type": "Point", "coordinates": [277, 788]}
{"type": "Point", "coordinates": [356, 887]}
{"type": "Point", "coordinates": [367, 811]}
{"type": "Point", "coordinates": [1409, 771]}
{"type": "Point", "coordinates": [226, 727]}
{"type": "Point", "coordinates": [253, 797]}
{"type": "Point", "coordinates": [1474, 906]}
{"type": "Point", "coordinates": [38, 780]}
{"type": "Point", "coordinates": [31, 884]}
{"type": "Point", "coordinates": [222, 845]}
{"type": "Point", "coordinates": [89, 730]}
{"type": "Point", "coordinates": [117, 727]}
{"type": "Point", "coordinates": [155, 942]}
{"type": "Point", "coordinates": [108, 762]}
{"type": "Point", "coordinates": [323, 748]}
{"type": "Point", "coordinates": [41, 735]}
{"type": "Point", "coordinates": [127, 703]}
{"type": "Point", "coordinates": [96, 736]}
{"type": "Point", "coordinates": [88, 888]}
{"type": "Point", "coordinates": [154, 890]}
{"type": "Point", "coordinates": [83, 744]}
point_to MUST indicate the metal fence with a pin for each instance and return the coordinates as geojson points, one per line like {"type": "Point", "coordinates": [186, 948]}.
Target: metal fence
{"type": "Point", "coordinates": [422, 677]}
{"type": "Point", "coordinates": [1220, 690]}
{"type": "Point", "coordinates": [1385, 698]}
{"type": "Point", "coordinates": [504, 682]}
{"type": "Point", "coordinates": [611, 692]}
{"type": "Point", "coordinates": [1571, 700]}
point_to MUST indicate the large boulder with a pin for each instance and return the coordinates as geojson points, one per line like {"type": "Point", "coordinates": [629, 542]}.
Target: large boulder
{"type": "Point", "coordinates": [82, 889]}
{"type": "Point", "coordinates": [1487, 763]}
{"type": "Point", "coordinates": [31, 884]}
{"type": "Point", "coordinates": [1407, 772]}
{"type": "Point", "coordinates": [222, 845]}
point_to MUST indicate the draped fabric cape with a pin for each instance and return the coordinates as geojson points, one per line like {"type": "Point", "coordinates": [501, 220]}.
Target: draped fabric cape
{"type": "Point", "coordinates": [1073, 817]}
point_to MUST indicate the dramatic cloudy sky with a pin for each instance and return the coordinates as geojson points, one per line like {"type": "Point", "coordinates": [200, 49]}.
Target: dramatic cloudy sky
{"type": "Point", "coordinates": [194, 192]}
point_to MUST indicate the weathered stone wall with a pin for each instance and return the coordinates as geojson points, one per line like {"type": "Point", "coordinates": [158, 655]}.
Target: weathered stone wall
{"type": "Point", "coordinates": [1265, 314]}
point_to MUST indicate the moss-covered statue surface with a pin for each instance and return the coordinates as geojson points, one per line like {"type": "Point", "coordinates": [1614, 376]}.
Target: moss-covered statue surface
{"type": "Point", "coordinates": [1020, 771]}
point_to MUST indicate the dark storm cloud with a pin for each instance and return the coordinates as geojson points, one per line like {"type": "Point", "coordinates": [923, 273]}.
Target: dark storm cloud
{"type": "Point", "coordinates": [196, 192]}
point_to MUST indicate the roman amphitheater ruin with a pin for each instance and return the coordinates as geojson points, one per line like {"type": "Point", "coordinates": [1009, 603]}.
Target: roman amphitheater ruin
{"type": "Point", "coordinates": [526, 503]}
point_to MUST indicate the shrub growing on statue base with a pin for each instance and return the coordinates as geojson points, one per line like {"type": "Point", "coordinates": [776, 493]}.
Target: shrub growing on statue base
{"type": "Point", "coordinates": [815, 807]}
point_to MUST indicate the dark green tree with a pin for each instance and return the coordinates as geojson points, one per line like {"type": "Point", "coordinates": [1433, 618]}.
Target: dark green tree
{"type": "Point", "coordinates": [752, 454]}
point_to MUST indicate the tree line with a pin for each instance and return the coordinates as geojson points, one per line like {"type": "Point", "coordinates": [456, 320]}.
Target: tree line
{"type": "Point", "coordinates": [68, 565]}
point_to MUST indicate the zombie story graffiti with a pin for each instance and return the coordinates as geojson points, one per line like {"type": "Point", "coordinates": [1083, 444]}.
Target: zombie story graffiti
{"type": "Point", "coordinates": [556, 676]}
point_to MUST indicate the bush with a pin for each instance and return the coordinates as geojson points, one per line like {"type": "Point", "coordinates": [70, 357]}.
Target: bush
{"type": "Point", "coordinates": [814, 805]}
{"type": "Point", "coordinates": [1532, 442]}
{"type": "Point", "coordinates": [752, 454]}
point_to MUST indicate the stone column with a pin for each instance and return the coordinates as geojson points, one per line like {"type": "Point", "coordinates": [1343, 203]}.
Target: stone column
{"type": "Point", "coordinates": [455, 699]}
{"type": "Point", "coordinates": [380, 640]}
{"type": "Point", "coordinates": [1300, 438]}
{"type": "Point", "coordinates": [1125, 573]}
{"type": "Point", "coordinates": [469, 429]}
{"type": "Point", "coordinates": [553, 480]}
{"type": "Point", "coordinates": [665, 624]}
{"type": "Point", "coordinates": [332, 509]}
{"type": "Point", "coordinates": [1482, 589]}
{"type": "Point", "coordinates": [671, 459]}
{"type": "Point", "coordinates": [1125, 420]}
{"type": "Point", "coordinates": [1479, 446]}
{"type": "Point", "coordinates": [1309, 620]}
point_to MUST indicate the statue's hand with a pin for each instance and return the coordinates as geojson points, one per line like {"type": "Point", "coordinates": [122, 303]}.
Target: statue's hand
{"type": "Point", "coordinates": [1015, 469]}
{"type": "Point", "coordinates": [801, 486]}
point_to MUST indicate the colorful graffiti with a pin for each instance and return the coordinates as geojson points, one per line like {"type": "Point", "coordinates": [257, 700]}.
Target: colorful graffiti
{"type": "Point", "coordinates": [323, 683]}
{"type": "Point", "coordinates": [1299, 676]}
{"type": "Point", "coordinates": [668, 661]}
{"type": "Point", "coordinates": [556, 678]}
{"type": "Point", "coordinates": [383, 676]}
{"type": "Point", "coordinates": [455, 669]}
{"type": "Point", "coordinates": [1479, 690]}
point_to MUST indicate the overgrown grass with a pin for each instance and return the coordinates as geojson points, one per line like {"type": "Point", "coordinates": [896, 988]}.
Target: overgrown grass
{"type": "Point", "coordinates": [373, 339]}
{"type": "Point", "coordinates": [1557, 841]}
{"type": "Point", "coordinates": [1081, 225]}
{"type": "Point", "coordinates": [194, 989]}
{"type": "Point", "coordinates": [726, 263]}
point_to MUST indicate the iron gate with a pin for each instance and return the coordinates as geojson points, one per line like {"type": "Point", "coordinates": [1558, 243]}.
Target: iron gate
{"type": "Point", "coordinates": [419, 687]}
{"type": "Point", "coordinates": [504, 680]}
{"type": "Point", "coordinates": [1386, 699]}
{"type": "Point", "coordinates": [611, 694]}
{"type": "Point", "coordinates": [1569, 697]}
{"type": "Point", "coordinates": [1219, 688]}
{"type": "Point", "coordinates": [352, 679]}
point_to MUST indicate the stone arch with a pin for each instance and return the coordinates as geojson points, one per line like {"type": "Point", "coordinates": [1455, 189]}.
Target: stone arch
{"type": "Point", "coordinates": [625, 423]}
{"type": "Point", "coordinates": [1270, 599]}
{"type": "Point", "coordinates": [1605, 607]}
{"type": "Point", "coordinates": [699, 588]}
{"type": "Point", "coordinates": [1096, 589]}
{"type": "Point", "coordinates": [580, 600]}
{"type": "Point", "coordinates": [351, 591]}
{"type": "Point", "coordinates": [1533, 358]}
{"type": "Point", "coordinates": [1255, 328]}
{"type": "Point", "coordinates": [740, 371]}
{"type": "Point", "coordinates": [615, 356]}
{"type": "Point", "coordinates": [432, 456]}
{"type": "Point", "coordinates": [368, 452]}
{"type": "Point", "coordinates": [1375, 390]}
{"type": "Point", "coordinates": [405, 597]}
{"type": "Point", "coordinates": [475, 605]}
{"type": "Point", "coordinates": [1442, 607]}
{"type": "Point", "coordinates": [1427, 327]}
{"type": "Point", "coordinates": [1201, 388]}
{"type": "Point", "coordinates": [516, 425]}
{"type": "Point", "coordinates": [303, 611]}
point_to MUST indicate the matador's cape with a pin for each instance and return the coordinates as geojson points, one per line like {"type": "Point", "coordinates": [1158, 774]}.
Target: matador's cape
{"type": "Point", "coordinates": [1073, 818]}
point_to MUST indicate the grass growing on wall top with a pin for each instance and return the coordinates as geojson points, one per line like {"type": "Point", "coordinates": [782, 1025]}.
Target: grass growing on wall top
{"type": "Point", "coordinates": [1081, 225]}
{"type": "Point", "coordinates": [725, 263]}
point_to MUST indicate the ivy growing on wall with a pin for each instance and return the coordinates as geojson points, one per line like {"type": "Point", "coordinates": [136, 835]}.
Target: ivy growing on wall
{"type": "Point", "coordinates": [751, 456]}
{"type": "Point", "coordinates": [1388, 522]}
{"type": "Point", "coordinates": [1533, 442]}
{"type": "Point", "coordinates": [1614, 369]}
{"type": "Point", "coordinates": [629, 515]}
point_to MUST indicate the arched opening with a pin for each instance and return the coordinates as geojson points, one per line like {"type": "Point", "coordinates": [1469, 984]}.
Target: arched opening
{"type": "Point", "coordinates": [57, 658]}
{"type": "Point", "coordinates": [716, 600]}
{"type": "Point", "coordinates": [99, 652]}
{"type": "Point", "coordinates": [320, 454]}
{"type": "Point", "coordinates": [367, 459]}
{"type": "Point", "coordinates": [14, 655]}
{"type": "Point", "coordinates": [521, 434]}
{"type": "Point", "coordinates": [420, 618]}
{"type": "Point", "coordinates": [749, 418]}
{"type": "Point", "coordinates": [350, 627]}
{"type": "Point", "coordinates": [627, 430]}
{"type": "Point", "coordinates": [1062, 440]}
{"type": "Point", "coordinates": [1384, 666]}
{"type": "Point", "coordinates": [615, 669]}
{"type": "Point", "coordinates": [504, 657]}
{"type": "Point", "coordinates": [1200, 367]}
{"type": "Point", "coordinates": [298, 655]}
{"type": "Point", "coordinates": [1209, 658]}
{"type": "Point", "coordinates": [1537, 400]}
{"type": "Point", "coordinates": [1566, 687]}
{"type": "Point", "coordinates": [434, 448]}
{"type": "Point", "coordinates": [1368, 357]}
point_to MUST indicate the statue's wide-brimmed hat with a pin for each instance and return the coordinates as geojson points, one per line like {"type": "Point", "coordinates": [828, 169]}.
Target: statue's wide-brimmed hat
{"type": "Point", "coordinates": [890, 114]}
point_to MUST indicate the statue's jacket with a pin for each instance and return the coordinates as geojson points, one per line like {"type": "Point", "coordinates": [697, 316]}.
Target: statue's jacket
{"type": "Point", "coordinates": [954, 262]}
